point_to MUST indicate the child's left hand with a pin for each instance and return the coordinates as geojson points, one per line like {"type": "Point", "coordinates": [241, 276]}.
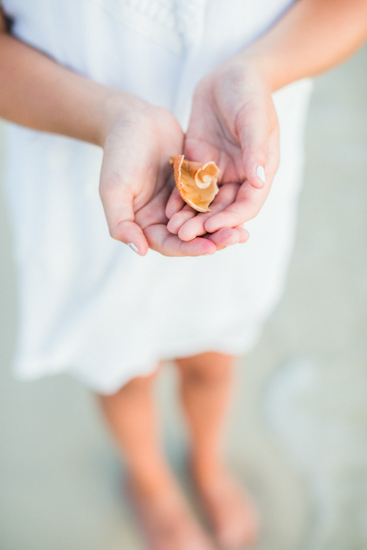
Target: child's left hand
{"type": "Point", "coordinates": [234, 123]}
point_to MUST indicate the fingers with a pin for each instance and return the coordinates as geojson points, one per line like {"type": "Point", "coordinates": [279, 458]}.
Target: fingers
{"type": "Point", "coordinates": [249, 200]}
{"type": "Point", "coordinates": [153, 220]}
{"type": "Point", "coordinates": [252, 126]}
{"type": "Point", "coordinates": [231, 217]}
{"type": "Point", "coordinates": [189, 225]}
{"type": "Point", "coordinates": [246, 206]}
{"type": "Point", "coordinates": [131, 234]}
{"type": "Point", "coordinates": [180, 218]}
{"type": "Point", "coordinates": [161, 240]}
{"type": "Point", "coordinates": [244, 234]}
{"type": "Point", "coordinates": [165, 243]}
{"type": "Point", "coordinates": [174, 204]}
{"type": "Point", "coordinates": [118, 207]}
{"type": "Point", "coordinates": [227, 237]}
{"type": "Point", "coordinates": [193, 227]}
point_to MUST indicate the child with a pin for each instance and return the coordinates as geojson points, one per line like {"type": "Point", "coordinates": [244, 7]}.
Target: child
{"type": "Point", "coordinates": [127, 76]}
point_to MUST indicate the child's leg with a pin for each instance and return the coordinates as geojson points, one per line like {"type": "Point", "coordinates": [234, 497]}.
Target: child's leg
{"type": "Point", "coordinates": [131, 416]}
{"type": "Point", "coordinates": [206, 389]}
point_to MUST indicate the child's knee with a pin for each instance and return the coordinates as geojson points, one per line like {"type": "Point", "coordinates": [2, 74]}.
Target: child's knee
{"type": "Point", "coordinates": [206, 369]}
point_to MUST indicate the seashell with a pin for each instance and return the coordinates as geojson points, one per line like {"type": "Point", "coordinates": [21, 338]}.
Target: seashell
{"type": "Point", "coordinates": [196, 183]}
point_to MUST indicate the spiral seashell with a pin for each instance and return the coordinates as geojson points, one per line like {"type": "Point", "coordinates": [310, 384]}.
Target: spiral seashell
{"type": "Point", "coordinates": [196, 182]}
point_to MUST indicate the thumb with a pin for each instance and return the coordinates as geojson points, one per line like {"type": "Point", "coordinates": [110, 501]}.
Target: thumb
{"type": "Point", "coordinates": [119, 212]}
{"type": "Point", "coordinates": [253, 132]}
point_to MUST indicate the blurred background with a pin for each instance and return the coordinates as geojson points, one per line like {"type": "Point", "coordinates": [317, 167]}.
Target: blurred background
{"type": "Point", "coordinates": [299, 426]}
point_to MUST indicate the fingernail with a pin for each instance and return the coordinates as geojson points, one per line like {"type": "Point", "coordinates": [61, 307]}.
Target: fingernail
{"type": "Point", "coordinates": [133, 247]}
{"type": "Point", "coordinates": [227, 245]}
{"type": "Point", "coordinates": [261, 173]}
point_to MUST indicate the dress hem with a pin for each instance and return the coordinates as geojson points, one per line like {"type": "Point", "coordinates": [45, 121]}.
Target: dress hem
{"type": "Point", "coordinates": [39, 368]}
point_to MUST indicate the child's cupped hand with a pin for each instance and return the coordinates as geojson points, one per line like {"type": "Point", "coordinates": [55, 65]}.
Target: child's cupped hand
{"type": "Point", "coordinates": [233, 122]}
{"type": "Point", "coordinates": [136, 182]}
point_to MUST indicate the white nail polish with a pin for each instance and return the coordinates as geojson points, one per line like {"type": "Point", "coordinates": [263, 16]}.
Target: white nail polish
{"type": "Point", "coordinates": [261, 173]}
{"type": "Point", "coordinates": [133, 247]}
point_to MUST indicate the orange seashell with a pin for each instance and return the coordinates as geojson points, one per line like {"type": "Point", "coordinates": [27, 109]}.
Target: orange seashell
{"type": "Point", "coordinates": [196, 183]}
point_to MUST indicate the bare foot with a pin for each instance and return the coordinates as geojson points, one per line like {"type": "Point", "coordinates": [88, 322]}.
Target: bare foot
{"type": "Point", "coordinates": [231, 512]}
{"type": "Point", "coordinates": [166, 520]}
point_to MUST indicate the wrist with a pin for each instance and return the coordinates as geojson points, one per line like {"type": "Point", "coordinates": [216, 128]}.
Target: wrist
{"type": "Point", "coordinates": [117, 107]}
{"type": "Point", "coordinates": [258, 66]}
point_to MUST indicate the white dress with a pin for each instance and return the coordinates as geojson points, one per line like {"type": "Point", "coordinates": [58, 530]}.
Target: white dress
{"type": "Point", "coordinates": [88, 304]}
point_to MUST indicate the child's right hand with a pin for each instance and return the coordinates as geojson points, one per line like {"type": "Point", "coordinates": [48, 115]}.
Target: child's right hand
{"type": "Point", "coordinates": [139, 140]}
{"type": "Point", "coordinates": [136, 180]}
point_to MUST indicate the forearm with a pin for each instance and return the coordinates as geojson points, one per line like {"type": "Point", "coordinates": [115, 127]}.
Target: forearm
{"type": "Point", "coordinates": [311, 37]}
{"type": "Point", "coordinates": [38, 93]}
